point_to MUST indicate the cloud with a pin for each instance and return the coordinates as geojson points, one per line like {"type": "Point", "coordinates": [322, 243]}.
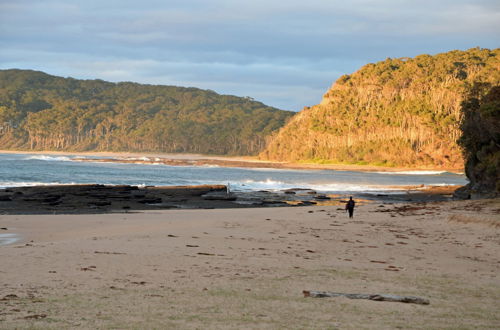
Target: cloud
{"type": "Point", "coordinates": [283, 53]}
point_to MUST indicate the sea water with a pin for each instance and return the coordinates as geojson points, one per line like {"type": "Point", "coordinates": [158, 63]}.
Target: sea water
{"type": "Point", "coordinates": [35, 169]}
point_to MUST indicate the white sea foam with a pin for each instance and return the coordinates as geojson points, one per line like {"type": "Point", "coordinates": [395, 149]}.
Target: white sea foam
{"type": "Point", "coordinates": [323, 187]}
{"type": "Point", "coordinates": [442, 184]}
{"type": "Point", "coordinates": [51, 158]}
{"type": "Point", "coordinates": [145, 159]}
{"type": "Point", "coordinates": [414, 173]}
{"type": "Point", "coordinates": [350, 187]}
{"type": "Point", "coordinates": [6, 184]}
{"type": "Point", "coordinates": [271, 169]}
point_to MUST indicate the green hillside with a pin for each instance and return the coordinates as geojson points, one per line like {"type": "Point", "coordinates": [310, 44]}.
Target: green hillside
{"type": "Point", "coordinates": [398, 112]}
{"type": "Point", "coordinates": [43, 112]}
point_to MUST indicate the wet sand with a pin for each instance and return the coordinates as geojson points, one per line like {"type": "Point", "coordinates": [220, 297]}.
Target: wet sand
{"type": "Point", "coordinates": [246, 268]}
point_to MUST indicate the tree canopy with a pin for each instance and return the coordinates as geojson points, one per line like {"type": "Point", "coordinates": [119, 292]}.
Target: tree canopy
{"type": "Point", "coordinates": [43, 112]}
{"type": "Point", "coordinates": [402, 112]}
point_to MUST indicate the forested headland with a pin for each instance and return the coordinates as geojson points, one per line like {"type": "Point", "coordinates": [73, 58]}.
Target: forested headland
{"type": "Point", "coordinates": [44, 112]}
{"type": "Point", "coordinates": [397, 112]}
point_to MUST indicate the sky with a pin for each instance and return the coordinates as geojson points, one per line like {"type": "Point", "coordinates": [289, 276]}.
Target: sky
{"type": "Point", "coordinates": [285, 54]}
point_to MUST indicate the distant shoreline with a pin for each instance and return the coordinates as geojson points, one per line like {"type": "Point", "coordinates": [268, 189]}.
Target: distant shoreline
{"type": "Point", "coordinates": [228, 161]}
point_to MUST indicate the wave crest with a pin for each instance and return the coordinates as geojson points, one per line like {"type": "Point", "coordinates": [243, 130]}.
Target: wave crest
{"type": "Point", "coordinates": [50, 158]}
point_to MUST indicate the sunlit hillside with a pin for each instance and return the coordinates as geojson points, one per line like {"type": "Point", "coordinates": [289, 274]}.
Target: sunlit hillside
{"type": "Point", "coordinates": [398, 112]}
{"type": "Point", "coordinates": [43, 112]}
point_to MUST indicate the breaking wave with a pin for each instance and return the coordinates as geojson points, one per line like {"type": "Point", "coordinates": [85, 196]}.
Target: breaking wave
{"type": "Point", "coordinates": [51, 158]}
{"type": "Point", "coordinates": [274, 185]}
{"type": "Point", "coordinates": [7, 184]}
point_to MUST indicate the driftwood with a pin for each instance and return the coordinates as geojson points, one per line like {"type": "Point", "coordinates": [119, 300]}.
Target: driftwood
{"type": "Point", "coordinates": [376, 297]}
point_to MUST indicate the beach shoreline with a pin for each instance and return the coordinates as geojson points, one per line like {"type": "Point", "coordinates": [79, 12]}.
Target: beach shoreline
{"type": "Point", "coordinates": [237, 161]}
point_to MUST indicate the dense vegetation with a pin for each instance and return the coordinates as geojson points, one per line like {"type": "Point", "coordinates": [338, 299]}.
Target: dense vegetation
{"type": "Point", "coordinates": [43, 112]}
{"type": "Point", "coordinates": [481, 142]}
{"type": "Point", "coordinates": [403, 112]}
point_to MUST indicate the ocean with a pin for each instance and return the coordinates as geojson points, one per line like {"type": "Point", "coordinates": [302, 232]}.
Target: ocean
{"type": "Point", "coordinates": [39, 169]}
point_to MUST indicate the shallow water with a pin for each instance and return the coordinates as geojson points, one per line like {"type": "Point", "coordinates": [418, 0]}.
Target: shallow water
{"type": "Point", "coordinates": [8, 239]}
{"type": "Point", "coordinates": [36, 169]}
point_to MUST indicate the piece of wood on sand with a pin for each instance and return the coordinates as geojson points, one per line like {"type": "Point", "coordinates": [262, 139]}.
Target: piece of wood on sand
{"type": "Point", "coordinates": [376, 297]}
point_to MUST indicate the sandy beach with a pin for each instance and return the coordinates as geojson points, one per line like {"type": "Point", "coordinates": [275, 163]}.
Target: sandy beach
{"type": "Point", "coordinates": [247, 268]}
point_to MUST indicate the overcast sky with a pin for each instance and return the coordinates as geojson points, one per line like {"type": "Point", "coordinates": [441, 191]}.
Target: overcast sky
{"type": "Point", "coordinates": [283, 53]}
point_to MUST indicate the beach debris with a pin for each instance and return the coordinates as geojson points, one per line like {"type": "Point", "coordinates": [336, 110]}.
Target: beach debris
{"type": "Point", "coordinates": [35, 317]}
{"type": "Point", "coordinates": [89, 268]}
{"type": "Point", "coordinates": [375, 297]}
{"type": "Point", "coordinates": [3, 228]}
{"type": "Point", "coordinates": [106, 252]}
{"type": "Point", "coordinates": [10, 297]}
{"type": "Point", "coordinates": [170, 235]}
{"type": "Point", "coordinates": [192, 245]}
{"type": "Point", "coordinates": [115, 288]}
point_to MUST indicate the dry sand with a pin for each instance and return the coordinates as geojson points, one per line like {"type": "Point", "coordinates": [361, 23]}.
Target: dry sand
{"type": "Point", "coordinates": [246, 268]}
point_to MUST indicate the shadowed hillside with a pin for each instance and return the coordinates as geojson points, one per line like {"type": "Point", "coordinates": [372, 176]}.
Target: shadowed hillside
{"type": "Point", "coordinates": [481, 142]}
{"type": "Point", "coordinates": [398, 112]}
{"type": "Point", "coordinates": [43, 112]}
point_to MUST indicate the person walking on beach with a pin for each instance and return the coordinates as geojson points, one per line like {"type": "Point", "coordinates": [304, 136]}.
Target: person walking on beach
{"type": "Point", "coordinates": [349, 206]}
